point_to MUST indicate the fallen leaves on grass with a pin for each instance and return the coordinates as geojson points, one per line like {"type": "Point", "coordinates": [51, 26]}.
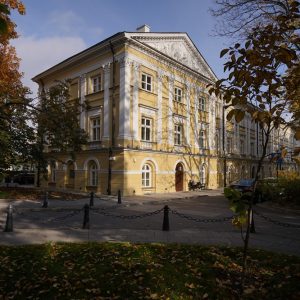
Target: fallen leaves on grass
{"type": "Point", "coordinates": [139, 271]}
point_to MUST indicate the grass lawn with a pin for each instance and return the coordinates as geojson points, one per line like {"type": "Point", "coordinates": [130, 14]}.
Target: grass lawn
{"type": "Point", "coordinates": [143, 271]}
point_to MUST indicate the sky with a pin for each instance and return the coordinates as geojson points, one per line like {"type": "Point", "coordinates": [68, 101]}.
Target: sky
{"type": "Point", "coordinates": [53, 30]}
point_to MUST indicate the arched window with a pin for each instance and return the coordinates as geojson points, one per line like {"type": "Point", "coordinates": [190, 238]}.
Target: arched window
{"type": "Point", "coordinates": [243, 172]}
{"type": "Point", "coordinates": [70, 172]}
{"type": "Point", "coordinates": [146, 176]}
{"type": "Point", "coordinates": [93, 174]}
{"type": "Point", "coordinates": [52, 171]}
{"type": "Point", "coordinates": [253, 172]}
{"type": "Point", "coordinates": [202, 174]}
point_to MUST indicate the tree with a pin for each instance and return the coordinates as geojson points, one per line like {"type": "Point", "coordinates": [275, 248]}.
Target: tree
{"type": "Point", "coordinates": [26, 127]}
{"type": "Point", "coordinates": [237, 18]}
{"type": "Point", "coordinates": [58, 127]}
{"type": "Point", "coordinates": [262, 82]}
{"type": "Point", "coordinates": [15, 133]}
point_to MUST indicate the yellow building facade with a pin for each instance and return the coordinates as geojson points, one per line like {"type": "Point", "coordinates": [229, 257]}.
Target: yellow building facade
{"type": "Point", "coordinates": [151, 123]}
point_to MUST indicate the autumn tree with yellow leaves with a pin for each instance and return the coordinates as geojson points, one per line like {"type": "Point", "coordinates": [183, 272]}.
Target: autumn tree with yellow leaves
{"type": "Point", "coordinates": [263, 69]}
{"type": "Point", "coordinates": [15, 133]}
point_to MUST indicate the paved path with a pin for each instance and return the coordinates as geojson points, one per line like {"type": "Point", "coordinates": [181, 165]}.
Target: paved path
{"type": "Point", "coordinates": [201, 222]}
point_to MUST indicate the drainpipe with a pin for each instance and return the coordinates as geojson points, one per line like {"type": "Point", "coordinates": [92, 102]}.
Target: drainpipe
{"type": "Point", "coordinates": [112, 140]}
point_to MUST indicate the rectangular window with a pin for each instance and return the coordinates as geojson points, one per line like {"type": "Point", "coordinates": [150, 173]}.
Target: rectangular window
{"type": "Point", "coordinates": [229, 145]}
{"type": "Point", "coordinates": [242, 146]}
{"type": "Point", "coordinates": [147, 82]}
{"type": "Point", "coordinates": [146, 129]}
{"type": "Point", "coordinates": [202, 104]}
{"type": "Point", "coordinates": [217, 139]}
{"type": "Point", "coordinates": [178, 130]}
{"type": "Point", "coordinates": [252, 148]}
{"type": "Point", "coordinates": [178, 94]}
{"type": "Point", "coordinates": [96, 84]}
{"type": "Point", "coordinates": [95, 129]}
{"type": "Point", "coordinates": [202, 139]}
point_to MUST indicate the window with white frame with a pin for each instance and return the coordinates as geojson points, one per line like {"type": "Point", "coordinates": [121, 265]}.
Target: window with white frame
{"type": "Point", "coordinates": [178, 94]}
{"type": "Point", "coordinates": [96, 83]}
{"type": "Point", "coordinates": [146, 176]}
{"type": "Point", "coordinates": [146, 129]}
{"type": "Point", "coordinates": [202, 174]}
{"type": "Point", "coordinates": [202, 104]}
{"type": "Point", "coordinates": [93, 174]}
{"type": "Point", "coordinates": [242, 146]}
{"type": "Point", "coordinates": [229, 145]}
{"type": "Point", "coordinates": [202, 139]}
{"type": "Point", "coordinates": [147, 82]}
{"type": "Point", "coordinates": [252, 148]}
{"type": "Point", "coordinates": [95, 129]}
{"type": "Point", "coordinates": [178, 131]}
{"type": "Point", "coordinates": [53, 171]}
{"type": "Point", "coordinates": [217, 140]}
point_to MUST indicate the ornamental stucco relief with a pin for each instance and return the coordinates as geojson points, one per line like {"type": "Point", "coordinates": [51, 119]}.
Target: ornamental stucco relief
{"type": "Point", "coordinates": [179, 51]}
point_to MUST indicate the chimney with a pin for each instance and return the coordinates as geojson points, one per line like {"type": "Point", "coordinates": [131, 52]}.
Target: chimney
{"type": "Point", "coordinates": [143, 28]}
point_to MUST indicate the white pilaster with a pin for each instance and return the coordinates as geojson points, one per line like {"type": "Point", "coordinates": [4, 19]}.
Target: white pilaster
{"type": "Point", "coordinates": [135, 101]}
{"type": "Point", "coordinates": [159, 106]}
{"type": "Point", "coordinates": [124, 103]}
{"type": "Point", "coordinates": [106, 118]}
{"type": "Point", "coordinates": [188, 106]}
{"type": "Point", "coordinates": [248, 138]}
{"type": "Point", "coordinates": [212, 122]}
{"type": "Point", "coordinates": [83, 88]}
{"type": "Point", "coordinates": [196, 126]}
{"type": "Point", "coordinates": [238, 138]}
{"type": "Point", "coordinates": [170, 111]}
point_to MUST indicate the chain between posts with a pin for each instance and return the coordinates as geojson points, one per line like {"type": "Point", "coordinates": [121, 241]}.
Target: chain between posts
{"type": "Point", "coordinates": [190, 218]}
{"type": "Point", "coordinates": [279, 223]}
{"type": "Point", "coordinates": [131, 217]}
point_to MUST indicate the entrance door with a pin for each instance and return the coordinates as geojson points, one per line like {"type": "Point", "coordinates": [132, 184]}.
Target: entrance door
{"type": "Point", "coordinates": [179, 177]}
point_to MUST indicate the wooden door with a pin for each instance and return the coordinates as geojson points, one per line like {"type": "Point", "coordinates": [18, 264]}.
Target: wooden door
{"type": "Point", "coordinates": [179, 178]}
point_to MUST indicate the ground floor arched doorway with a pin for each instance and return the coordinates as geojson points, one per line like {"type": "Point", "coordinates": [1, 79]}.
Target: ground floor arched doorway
{"type": "Point", "coordinates": [179, 177]}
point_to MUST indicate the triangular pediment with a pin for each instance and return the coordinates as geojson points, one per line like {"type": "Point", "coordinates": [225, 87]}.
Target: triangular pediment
{"type": "Point", "coordinates": [178, 47]}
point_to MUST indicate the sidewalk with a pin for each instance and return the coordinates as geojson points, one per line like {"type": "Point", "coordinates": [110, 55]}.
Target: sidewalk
{"type": "Point", "coordinates": [207, 204]}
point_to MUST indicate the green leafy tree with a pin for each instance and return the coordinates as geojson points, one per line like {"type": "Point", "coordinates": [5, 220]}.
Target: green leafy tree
{"type": "Point", "coordinates": [262, 74]}
{"type": "Point", "coordinates": [58, 126]}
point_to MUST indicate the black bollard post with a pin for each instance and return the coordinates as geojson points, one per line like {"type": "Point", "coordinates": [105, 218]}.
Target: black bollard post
{"type": "Point", "coordinates": [9, 219]}
{"type": "Point", "coordinates": [252, 227]}
{"type": "Point", "coordinates": [45, 201]}
{"type": "Point", "coordinates": [119, 197]}
{"type": "Point", "coordinates": [86, 217]}
{"type": "Point", "coordinates": [92, 199]}
{"type": "Point", "coordinates": [166, 225]}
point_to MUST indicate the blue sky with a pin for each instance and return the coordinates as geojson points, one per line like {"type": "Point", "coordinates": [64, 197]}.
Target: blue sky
{"type": "Point", "coordinates": [53, 30]}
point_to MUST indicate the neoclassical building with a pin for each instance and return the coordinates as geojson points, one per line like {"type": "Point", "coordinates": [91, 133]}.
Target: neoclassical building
{"type": "Point", "coordinates": [151, 123]}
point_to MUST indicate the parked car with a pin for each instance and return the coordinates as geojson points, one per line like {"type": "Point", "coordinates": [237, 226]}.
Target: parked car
{"type": "Point", "coordinates": [243, 185]}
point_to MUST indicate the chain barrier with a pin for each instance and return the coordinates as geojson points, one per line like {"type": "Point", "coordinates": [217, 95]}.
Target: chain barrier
{"type": "Point", "coordinates": [21, 213]}
{"type": "Point", "coordinates": [62, 218]}
{"type": "Point", "coordinates": [279, 223]}
{"type": "Point", "coordinates": [104, 212]}
{"type": "Point", "coordinates": [56, 219]}
{"type": "Point", "coordinates": [190, 218]}
{"type": "Point", "coordinates": [131, 217]}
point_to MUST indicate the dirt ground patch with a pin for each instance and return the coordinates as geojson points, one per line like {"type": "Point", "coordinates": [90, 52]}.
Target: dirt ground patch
{"type": "Point", "coordinates": [20, 193]}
